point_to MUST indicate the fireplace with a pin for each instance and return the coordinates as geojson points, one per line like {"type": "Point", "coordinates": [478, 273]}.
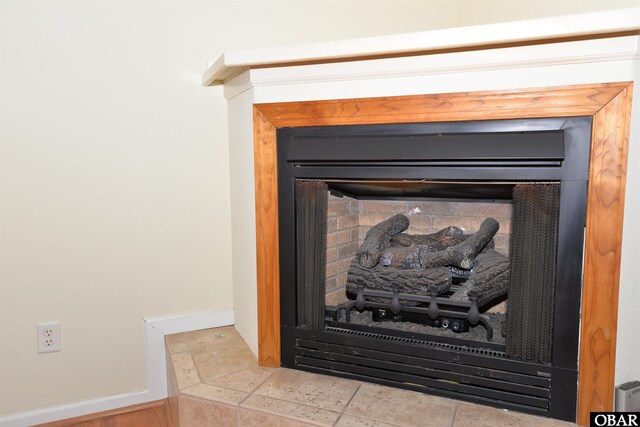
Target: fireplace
{"type": "Point", "coordinates": [607, 104]}
{"type": "Point", "coordinates": [338, 183]}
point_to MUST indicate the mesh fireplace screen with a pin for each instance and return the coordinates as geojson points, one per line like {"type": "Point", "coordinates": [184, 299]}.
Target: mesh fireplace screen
{"type": "Point", "coordinates": [529, 328]}
{"type": "Point", "coordinates": [311, 251]}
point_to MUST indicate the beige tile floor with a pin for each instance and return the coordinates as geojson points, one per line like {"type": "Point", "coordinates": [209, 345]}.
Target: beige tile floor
{"type": "Point", "coordinates": [214, 380]}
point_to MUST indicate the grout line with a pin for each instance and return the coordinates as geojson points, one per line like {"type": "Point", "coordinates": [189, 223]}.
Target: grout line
{"type": "Point", "coordinates": [455, 412]}
{"type": "Point", "coordinates": [223, 375]}
{"type": "Point", "coordinates": [209, 400]}
{"type": "Point", "coordinates": [168, 346]}
{"type": "Point", "coordinates": [250, 394]}
{"type": "Point", "coordinates": [288, 416]}
{"type": "Point", "coordinates": [347, 405]}
{"type": "Point", "coordinates": [288, 401]}
{"type": "Point", "coordinates": [195, 363]}
{"type": "Point", "coordinates": [257, 387]}
{"type": "Point", "coordinates": [231, 388]}
{"type": "Point", "coordinates": [177, 352]}
{"type": "Point", "coordinates": [192, 358]}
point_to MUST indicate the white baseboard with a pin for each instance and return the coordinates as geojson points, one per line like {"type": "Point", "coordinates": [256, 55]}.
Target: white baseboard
{"type": "Point", "coordinates": [155, 330]}
{"type": "Point", "coordinates": [157, 327]}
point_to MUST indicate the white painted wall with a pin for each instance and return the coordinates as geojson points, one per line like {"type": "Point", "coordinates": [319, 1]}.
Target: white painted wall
{"type": "Point", "coordinates": [115, 172]}
{"type": "Point", "coordinates": [243, 221]}
{"type": "Point", "coordinates": [472, 12]}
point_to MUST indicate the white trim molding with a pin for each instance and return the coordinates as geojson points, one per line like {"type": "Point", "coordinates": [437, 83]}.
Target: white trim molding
{"type": "Point", "coordinates": [597, 51]}
{"type": "Point", "coordinates": [155, 330]}
{"type": "Point", "coordinates": [231, 64]}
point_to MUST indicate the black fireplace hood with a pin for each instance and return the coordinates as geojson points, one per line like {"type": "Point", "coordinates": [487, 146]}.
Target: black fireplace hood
{"type": "Point", "coordinates": [422, 189]}
{"type": "Point", "coordinates": [478, 146]}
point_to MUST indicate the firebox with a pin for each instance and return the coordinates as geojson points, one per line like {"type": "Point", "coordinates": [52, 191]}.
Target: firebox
{"type": "Point", "coordinates": [437, 257]}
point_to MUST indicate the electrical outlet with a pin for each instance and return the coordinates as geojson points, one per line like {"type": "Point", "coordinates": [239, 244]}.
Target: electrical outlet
{"type": "Point", "coordinates": [48, 337]}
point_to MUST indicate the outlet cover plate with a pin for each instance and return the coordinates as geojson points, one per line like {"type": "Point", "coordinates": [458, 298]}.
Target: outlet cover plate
{"type": "Point", "coordinates": [48, 337]}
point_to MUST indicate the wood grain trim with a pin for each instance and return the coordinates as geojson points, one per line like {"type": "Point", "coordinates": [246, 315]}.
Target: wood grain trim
{"type": "Point", "coordinates": [149, 414]}
{"type": "Point", "coordinates": [603, 240]}
{"type": "Point", "coordinates": [583, 100]}
{"type": "Point", "coordinates": [268, 265]}
{"type": "Point", "coordinates": [610, 106]}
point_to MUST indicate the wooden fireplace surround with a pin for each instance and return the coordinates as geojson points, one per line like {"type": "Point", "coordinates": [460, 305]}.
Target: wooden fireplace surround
{"type": "Point", "coordinates": [610, 106]}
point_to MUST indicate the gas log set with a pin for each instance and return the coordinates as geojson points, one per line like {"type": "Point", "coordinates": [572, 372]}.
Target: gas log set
{"type": "Point", "coordinates": [441, 279]}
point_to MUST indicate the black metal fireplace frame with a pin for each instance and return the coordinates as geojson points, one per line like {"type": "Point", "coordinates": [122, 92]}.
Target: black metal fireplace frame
{"type": "Point", "coordinates": [432, 151]}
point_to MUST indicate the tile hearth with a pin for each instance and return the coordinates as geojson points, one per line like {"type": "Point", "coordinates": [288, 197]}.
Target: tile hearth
{"type": "Point", "coordinates": [214, 380]}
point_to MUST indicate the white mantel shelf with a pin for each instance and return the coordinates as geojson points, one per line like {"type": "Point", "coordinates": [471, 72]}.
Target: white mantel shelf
{"type": "Point", "coordinates": [230, 64]}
